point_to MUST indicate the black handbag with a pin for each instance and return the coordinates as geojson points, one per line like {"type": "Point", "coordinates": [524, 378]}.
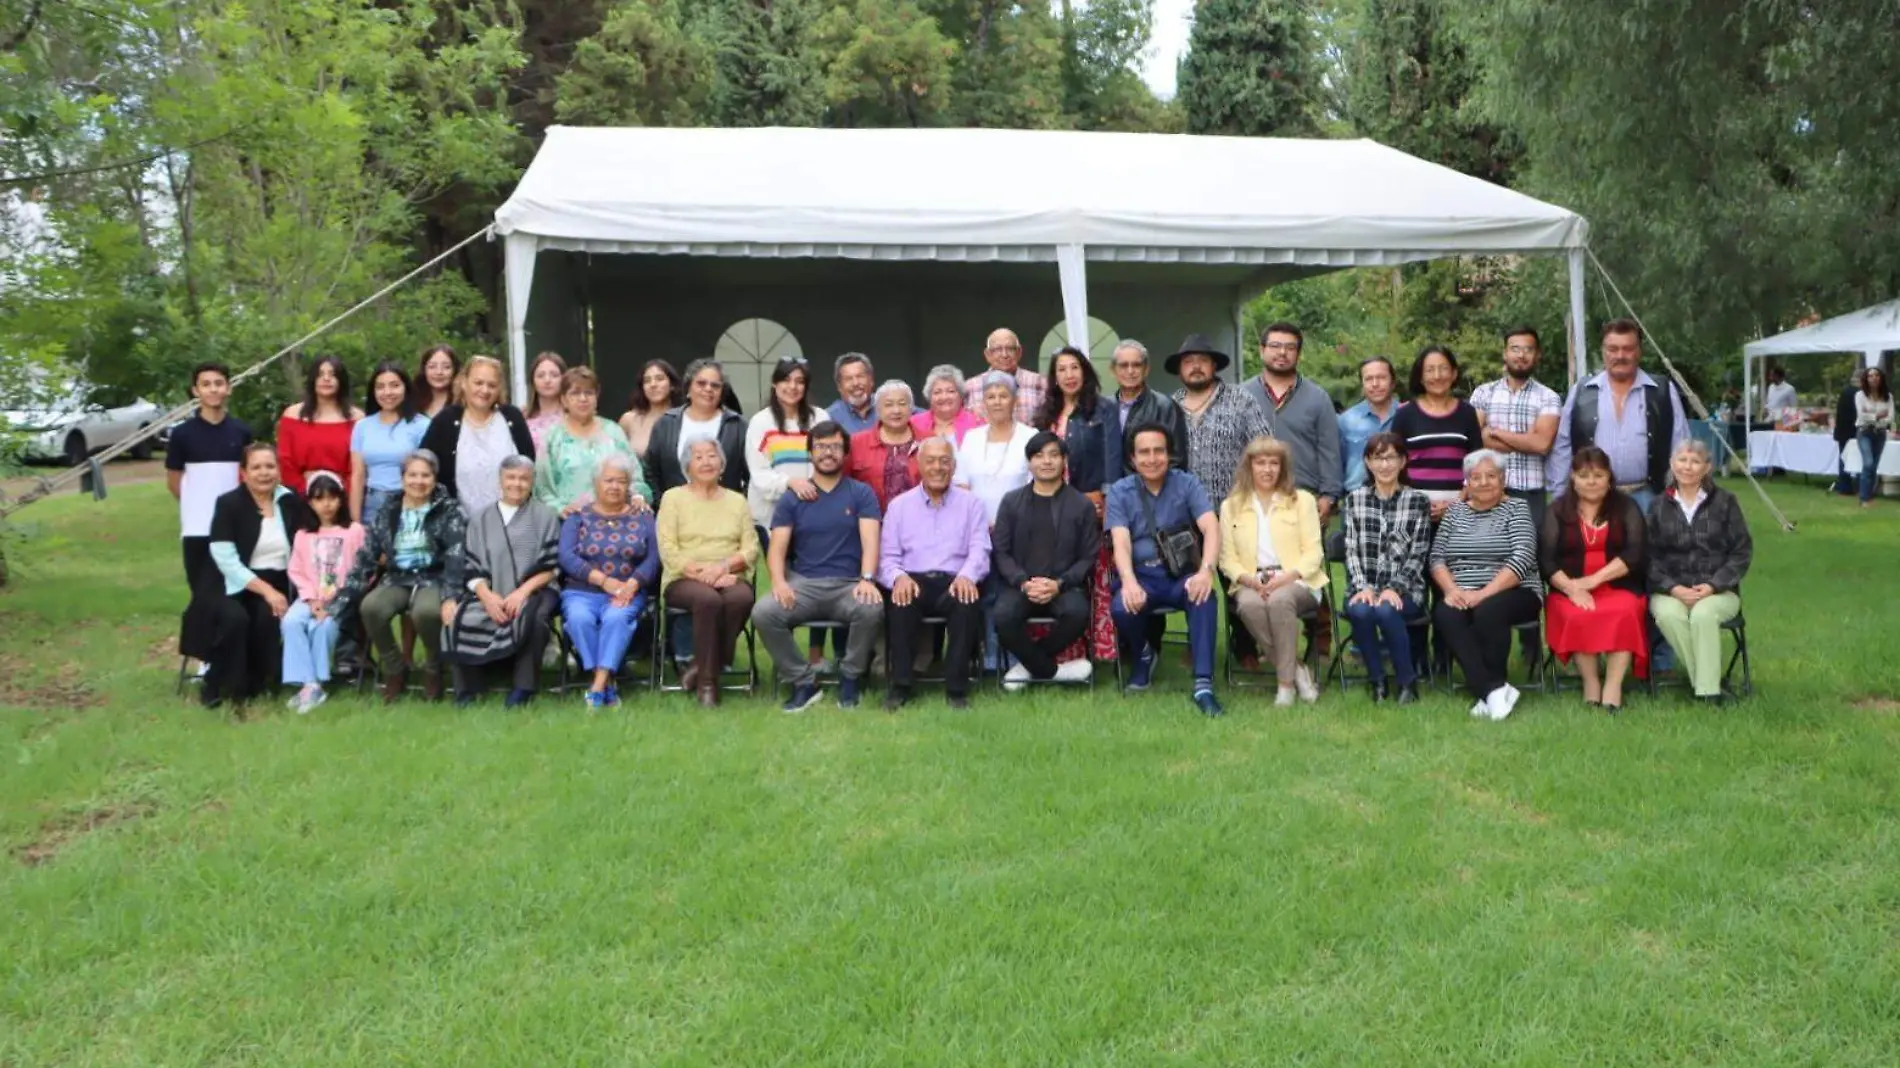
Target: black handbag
{"type": "Point", "coordinates": [1179, 548]}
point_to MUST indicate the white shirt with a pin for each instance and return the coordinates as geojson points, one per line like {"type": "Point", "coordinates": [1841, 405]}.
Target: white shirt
{"type": "Point", "coordinates": [272, 551]}
{"type": "Point", "coordinates": [479, 452]}
{"type": "Point", "coordinates": [692, 430]}
{"type": "Point", "coordinates": [1779, 398]}
{"type": "Point", "coordinates": [990, 469]}
{"type": "Point", "coordinates": [1690, 508]}
{"type": "Point", "coordinates": [1264, 555]}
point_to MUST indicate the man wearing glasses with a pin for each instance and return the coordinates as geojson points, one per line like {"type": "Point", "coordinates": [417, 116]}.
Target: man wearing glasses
{"type": "Point", "coordinates": [1519, 415]}
{"type": "Point", "coordinates": [1300, 413]}
{"type": "Point", "coordinates": [1004, 352]}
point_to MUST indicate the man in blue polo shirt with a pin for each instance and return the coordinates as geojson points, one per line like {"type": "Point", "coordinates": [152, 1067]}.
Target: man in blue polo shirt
{"type": "Point", "coordinates": [823, 559]}
{"type": "Point", "coordinates": [1159, 497]}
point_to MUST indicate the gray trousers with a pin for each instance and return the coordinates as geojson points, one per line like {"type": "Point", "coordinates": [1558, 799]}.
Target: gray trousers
{"type": "Point", "coordinates": [818, 599]}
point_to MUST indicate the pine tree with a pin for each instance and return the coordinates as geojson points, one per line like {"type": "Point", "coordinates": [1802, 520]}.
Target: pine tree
{"type": "Point", "coordinates": [1249, 69]}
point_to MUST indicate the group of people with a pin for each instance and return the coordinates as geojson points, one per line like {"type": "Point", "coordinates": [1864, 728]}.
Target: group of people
{"type": "Point", "coordinates": [1012, 521]}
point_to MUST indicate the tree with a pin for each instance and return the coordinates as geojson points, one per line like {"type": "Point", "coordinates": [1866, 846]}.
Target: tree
{"type": "Point", "coordinates": [1407, 82]}
{"type": "Point", "coordinates": [889, 64]}
{"type": "Point", "coordinates": [1249, 70]}
{"type": "Point", "coordinates": [642, 69]}
{"type": "Point", "coordinates": [767, 70]}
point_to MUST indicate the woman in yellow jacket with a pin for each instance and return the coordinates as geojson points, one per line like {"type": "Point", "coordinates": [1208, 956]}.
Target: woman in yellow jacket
{"type": "Point", "coordinates": [1275, 564]}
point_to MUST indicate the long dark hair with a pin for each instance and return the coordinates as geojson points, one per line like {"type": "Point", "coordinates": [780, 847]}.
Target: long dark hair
{"type": "Point", "coordinates": [321, 485]}
{"type": "Point", "coordinates": [1564, 508]}
{"type": "Point", "coordinates": [1417, 382]}
{"type": "Point", "coordinates": [785, 369]}
{"type": "Point", "coordinates": [404, 411]}
{"type": "Point", "coordinates": [1867, 384]}
{"type": "Point", "coordinates": [638, 402]}
{"type": "Point", "coordinates": [1085, 398]}
{"type": "Point", "coordinates": [422, 373]}
{"type": "Point", "coordinates": [309, 413]}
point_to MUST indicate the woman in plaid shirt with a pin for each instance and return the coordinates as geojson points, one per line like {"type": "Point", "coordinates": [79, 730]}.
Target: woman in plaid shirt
{"type": "Point", "coordinates": [1388, 538]}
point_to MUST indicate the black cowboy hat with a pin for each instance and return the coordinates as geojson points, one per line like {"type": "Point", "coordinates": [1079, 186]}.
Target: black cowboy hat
{"type": "Point", "coordinates": [1198, 344]}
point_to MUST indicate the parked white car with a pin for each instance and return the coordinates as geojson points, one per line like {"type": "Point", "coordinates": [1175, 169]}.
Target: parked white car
{"type": "Point", "coordinates": [72, 425]}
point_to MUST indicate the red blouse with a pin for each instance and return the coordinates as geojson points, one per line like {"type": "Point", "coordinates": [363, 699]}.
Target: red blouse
{"type": "Point", "coordinates": [305, 447]}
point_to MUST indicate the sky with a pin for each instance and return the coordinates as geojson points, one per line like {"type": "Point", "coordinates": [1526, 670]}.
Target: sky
{"type": "Point", "coordinates": [1171, 21]}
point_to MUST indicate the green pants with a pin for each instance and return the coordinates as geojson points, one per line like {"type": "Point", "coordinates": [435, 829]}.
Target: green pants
{"type": "Point", "coordinates": [1696, 635]}
{"type": "Point", "coordinates": [423, 606]}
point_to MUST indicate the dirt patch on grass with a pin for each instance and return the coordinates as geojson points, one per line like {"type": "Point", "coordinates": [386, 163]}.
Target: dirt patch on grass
{"type": "Point", "coordinates": [19, 688]}
{"type": "Point", "coordinates": [1882, 705]}
{"type": "Point", "coordinates": [57, 834]}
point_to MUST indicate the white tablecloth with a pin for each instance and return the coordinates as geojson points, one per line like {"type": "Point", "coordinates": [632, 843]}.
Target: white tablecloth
{"type": "Point", "coordinates": [1889, 459]}
{"type": "Point", "coordinates": [1814, 454]}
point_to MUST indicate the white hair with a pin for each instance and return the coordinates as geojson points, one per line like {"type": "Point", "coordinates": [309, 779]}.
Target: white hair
{"type": "Point", "coordinates": [708, 443]}
{"type": "Point", "coordinates": [516, 462]}
{"type": "Point", "coordinates": [1000, 378]}
{"type": "Point", "coordinates": [892, 388]}
{"type": "Point", "coordinates": [1133, 346]}
{"type": "Point", "coordinates": [616, 461]}
{"type": "Point", "coordinates": [940, 372]}
{"type": "Point", "coordinates": [1483, 456]}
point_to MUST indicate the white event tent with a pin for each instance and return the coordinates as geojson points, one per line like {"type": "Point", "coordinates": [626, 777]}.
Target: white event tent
{"type": "Point", "coordinates": [1869, 331]}
{"type": "Point", "coordinates": [631, 243]}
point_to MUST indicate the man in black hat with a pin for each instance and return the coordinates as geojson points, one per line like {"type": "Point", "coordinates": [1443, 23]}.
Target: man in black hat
{"type": "Point", "coordinates": [1221, 420]}
{"type": "Point", "coordinates": [1044, 548]}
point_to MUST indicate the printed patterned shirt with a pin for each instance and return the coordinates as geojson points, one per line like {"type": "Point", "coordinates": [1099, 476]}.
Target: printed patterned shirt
{"type": "Point", "coordinates": [1515, 412]}
{"type": "Point", "coordinates": [1219, 434]}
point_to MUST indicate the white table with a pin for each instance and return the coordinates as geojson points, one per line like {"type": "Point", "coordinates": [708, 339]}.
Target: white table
{"type": "Point", "coordinates": [1812, 454]}
{"type": "Point", "coordinates": [1889, 458]}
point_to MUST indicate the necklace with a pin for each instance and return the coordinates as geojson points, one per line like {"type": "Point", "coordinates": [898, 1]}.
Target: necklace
{"type": "Point", "coordinates": [1594, 536]}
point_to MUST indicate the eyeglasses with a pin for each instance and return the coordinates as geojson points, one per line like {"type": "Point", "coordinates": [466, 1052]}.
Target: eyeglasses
{"type": "Point", "coordinates": [828, 446]}
{"type": "Point", "coordinates": [1521, 350]}
{"type": "Point", "coordinates": [1280, 346]}
{"type": "Point", "coordinates": [708, 384]}
{"type": "Point", "coordinates": [1004, 348]}
{"type": "Point", "coordinates": [794, 361]}
{"type": "Point", "coordinates": [1124, 365]}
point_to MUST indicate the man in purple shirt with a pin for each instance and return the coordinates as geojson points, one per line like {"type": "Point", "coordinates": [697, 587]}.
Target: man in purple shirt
{"type": "Point", "coordinates": [933, 560]}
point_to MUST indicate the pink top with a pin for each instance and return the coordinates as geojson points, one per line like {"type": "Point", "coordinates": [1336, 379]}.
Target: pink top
{"type": "Point", "coordinates": [320, 560]}
{"type": "Point", "coordinates": [925, 423]}
{"type": "Point", "coordinates": [539, 425]}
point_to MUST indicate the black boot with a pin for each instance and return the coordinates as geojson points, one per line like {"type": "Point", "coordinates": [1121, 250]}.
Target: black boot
{"type": "Point", "coordinates": [1408, 694]}
{"type": "Point", "coordinates": [1379, 692]}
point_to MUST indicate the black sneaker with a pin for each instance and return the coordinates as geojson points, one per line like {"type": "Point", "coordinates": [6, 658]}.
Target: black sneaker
{"type": "Point", "coordinates": [1379, 693]}
{"type": "Point", "coordinates": [848, 693]}
{"type": "Point", "coordinates": [959, 702]}
{"type": "Point", "coordinates": [1408, 694]}
{"type": "Point", "coordinates": [895, 699]}
{"type": "Point", "coordinates": [803, 697]}
{"type": "Point", "coordinates": [1209, 705]}
{"type": "Point", "coordinates": [518, 698]}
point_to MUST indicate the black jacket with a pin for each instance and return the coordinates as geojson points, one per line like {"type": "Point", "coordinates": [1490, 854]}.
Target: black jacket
{"type": "Point", "coordinates": [1845, 414]}
{"type": "Point", "coordinates": [234, 518]}
{"type": "Point", "coordinates": [444, 436]}
{"type": "Point", "coordinates": [1560, 545]}
{"type": "Point", "coordinates": [663, 452]}
{"type": "Point", "coordinates": [1087, 448]}
{"type": "Point", "coordinates": [446, 527]}
{"type": "Point", "coordinates": [1078, 537]}
{"type": "Point", "coordinates": [1118, 434]}
{"type": "Point", "coordinates": [1715, 549]}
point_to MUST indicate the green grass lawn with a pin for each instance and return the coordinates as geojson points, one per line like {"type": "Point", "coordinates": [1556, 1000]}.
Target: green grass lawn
{"type": "Point", "coordinates": [1044, 880]}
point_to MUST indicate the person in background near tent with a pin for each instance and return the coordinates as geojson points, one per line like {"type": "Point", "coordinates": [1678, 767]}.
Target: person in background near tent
{"type": "Point", "coordinates": [854, 409]}
{"type": "Point", "coordinates": [1777, 397]}
{"type": "Point", "coordinates": [1221, 420]}
{"type": "Point", "coordinates": [543, 412]}
{"type": "Point", "coordinates": [437, 380]}
{"type": "Point", "coordinates": [1847, 483]}
{"type": "Point", "coordinates": [320, 559]}
{"type": "Point", "coordinates": [775, 443]}
{"type": "Point", "coordinates": [1157, 500]}
{"type": "Point", "coordinates": [1075, 411]}
{"type": "Point", "coordinates": [944, 415]}
{"type": "Point", "coordinates": [248, 588]}
{"type": "Point", "coordinates": [470, 440]}
{"type": "Point", "coordinates": [884, 456]}
{"type": "Point", "coordinates": [823, 560]}
{"type": "Point", "coordinates": [380, 441]}
{"type": "Point", "coordinates": [1045, 544]}
{"type": "Point", "coordinates": [610, 561]}
{"type": "Point", "coordinates": [1873, 421]}
{"type": "Point", "coordinates": [203, 461]}
{"type": "Point", "coordinates": [1519, 415]}
{"type": "Point", "coordinates": [1137, 405]}
{"type": "Point", "coordinates": [1484, 562]}
{"type": "Point", "coordinates": [1388, 528]}
{"type": "Point", "coordinates": [1637, 420]}
{"type": "Point", "coordinates": [1439, 429]}
{"type": "Point", "coordinates": [933, 557]}
{"type": "Point", "coordinates": [1699, 551]}
{"type": "Point", "coordinates": [1004, 352]}
{"type": "Point", "coordinates": [503, 612]}
{"type": "Point", "coordinates": [1591, 552]}
{"type": "Point", "coordinates": [564, 476]}
{"type": "Point", "coordinates": [703, 417]}
{"type": "Point", "coordinates": [708, 548]}
{"type": "Point", "coordinates": [1300, 413]}
{"type": "Point", "coordinates": [659, 391]}
{"type": "Point", "coordinates": [314, 434]}
{"type": "Point", "coordinates": [1378, 381]}
{"type": "Point", "coordinates": [1273, 560]}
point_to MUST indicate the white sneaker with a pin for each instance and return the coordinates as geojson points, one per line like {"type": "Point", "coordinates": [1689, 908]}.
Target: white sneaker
{"type": "Point", "coordinates": [1075, 671]}
{"type": "Point", "coordinates": [1480, 711]}
{"type": "Point", "coordinates": [1303, 681]}
{"type": "Point", "coordinates": [317, 697]}
{"type": "Point", "coordinates": [1284, 698]}
{"type": "Point", "coordinates": [1499, 702]}
{"type": "Point", "coordinates": [1016, 679]}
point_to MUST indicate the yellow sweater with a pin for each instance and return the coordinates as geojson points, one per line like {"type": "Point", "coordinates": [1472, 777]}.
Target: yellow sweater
{"type": "Point", "coordinates": [694, 530]}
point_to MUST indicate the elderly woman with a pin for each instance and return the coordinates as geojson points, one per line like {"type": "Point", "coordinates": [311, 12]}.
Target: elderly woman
{"type": "Point", "coordinates": [1388, 538]}
{"type": "Point", "coordinates": [703, 417]}
{"type": "Point", "coordinates": [411, 561]}
{"type": "Point", "coordinates": [241, 600]}
{"type": "Point", "coordinates": [1699, 549]}
{"type": "Point", "coordinates": [946, 417]}
{"type": "Point", "coordinates": [609, 562]}
{"type": "Point", "coordinates": [575, 446]}
{"type": "Point", "coordinates": [993, 461]}
{"type": "Point", "coordinates": [884, 457]}
{"type": "Point", "coordinates": [512, 555]}
{"type": "Point", "coordinates": [1591, 552]}
{"type": "Point", "coordinates": [709, 548]}
{"type": "Point", "coordinates": [1271, 554]}
{"type": "Point", "coordinates": [1484, 562]}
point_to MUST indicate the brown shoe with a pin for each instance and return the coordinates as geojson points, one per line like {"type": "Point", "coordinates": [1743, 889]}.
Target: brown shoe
{"type": "Point", "coordinates": [709, 695]}
{"type": "Point", "coordinates": [394, 681]}
{"type": "Point", "coordinates": [689, 678]}
{"type": "Point", "coordinates": [432, 684]}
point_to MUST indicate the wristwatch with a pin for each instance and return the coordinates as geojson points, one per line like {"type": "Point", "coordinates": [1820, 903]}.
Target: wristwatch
{"type": "Point", "coordinates": [867, 577]}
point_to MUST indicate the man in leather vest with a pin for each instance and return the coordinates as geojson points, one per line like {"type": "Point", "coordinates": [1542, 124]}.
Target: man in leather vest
{"type": "Point", "coordinates": [1638, 420]}
{"type": "Point", "coordinates": [1137, 405]}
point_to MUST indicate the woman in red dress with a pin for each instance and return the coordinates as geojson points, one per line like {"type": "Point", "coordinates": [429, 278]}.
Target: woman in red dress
{"type": "Point", "coordinates": [1591, 549]}
{"type": "Point", "coordinates": [315, 433]}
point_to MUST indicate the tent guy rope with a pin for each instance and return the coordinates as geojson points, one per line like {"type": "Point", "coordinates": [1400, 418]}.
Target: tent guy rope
{"type": "Point", "coordinates": [71, 475]}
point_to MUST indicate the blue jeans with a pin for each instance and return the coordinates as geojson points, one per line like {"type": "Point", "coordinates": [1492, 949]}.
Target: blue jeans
{"type": "Point", "coordinates": [600, 632]}
{"type": "Point", "coordinates": [1379, 630]}
{"type": "Point", "coordinates": [308, 644]}
{"type": "Point", "coordinates": [1871, 444]}
{"type": "Point", "coordinates": [1165, 593]}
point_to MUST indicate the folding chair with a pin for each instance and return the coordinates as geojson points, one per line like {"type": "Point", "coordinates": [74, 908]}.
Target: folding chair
{"type": "Point", "coordinates": [1242, 678]}
{"type": "Point", "coordinates": [1737, 629]}
{"type": "Point", "coordinates": [977, 673]}
{"type": "Point", "coordinates": [1418, 647]}
{"type": "Point", "coordinates": [1005, 660]}
{"type": "Point", "coordinates": [570, 674]}
{"type": "Point", "coordinates": [732, 679]}
{"type": "Point", "coordinates": [822, 680]}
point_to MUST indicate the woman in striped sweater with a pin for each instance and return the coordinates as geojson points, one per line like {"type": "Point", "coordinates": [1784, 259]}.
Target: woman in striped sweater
{"type": "Point", "coordinates": [1484, 563]}
{"type": "Point", "coordinates": [1439, 429]}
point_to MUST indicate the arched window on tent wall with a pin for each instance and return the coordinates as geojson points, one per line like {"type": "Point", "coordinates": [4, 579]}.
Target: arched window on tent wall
{"type": "Point", "coordinates": [1101, 347]}
{"type": "Point", "coordinates": [749, 349]}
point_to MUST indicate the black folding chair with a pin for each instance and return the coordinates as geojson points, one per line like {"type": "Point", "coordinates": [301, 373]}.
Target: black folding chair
{"type": "Point", "coordinates": [570, 675]}
{"type": "Point", "coordinates": [1263, 674]}
{"type": "Point", "coordinates": [822, 680]}
{"type": "Point", "coordinates": [1737, 629]}
{"type": "Point", "coordinates": [1004, 660]}
{"type": "Point", "coordinates": [734, 678]}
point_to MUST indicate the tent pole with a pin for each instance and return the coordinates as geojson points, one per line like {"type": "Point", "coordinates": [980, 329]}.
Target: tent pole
{"type": "Point", "coordinates": [1072, 266]}
{"type": "Point", "coordinates": [519, 252]}
{"type": "Point", "coordinates": [1240, 331]}
{"type": "Point", "coordinates": [1579, 329]}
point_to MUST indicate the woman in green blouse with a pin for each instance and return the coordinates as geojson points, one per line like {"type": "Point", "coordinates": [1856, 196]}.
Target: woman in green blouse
{"type": "Point", "coordinates": [564, 477]}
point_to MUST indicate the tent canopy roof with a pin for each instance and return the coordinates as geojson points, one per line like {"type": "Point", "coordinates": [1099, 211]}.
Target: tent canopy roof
{"type": "Point", "coordinates": [987, 195]}
{"type": "Point", "coordinates": [1867, 330]}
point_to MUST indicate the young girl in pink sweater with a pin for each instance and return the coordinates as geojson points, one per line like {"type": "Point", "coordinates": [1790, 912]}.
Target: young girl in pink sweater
{"type": "Point", "coordinates": [319, 562]}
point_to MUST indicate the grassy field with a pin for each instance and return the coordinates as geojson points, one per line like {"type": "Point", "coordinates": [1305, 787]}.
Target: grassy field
{"type": "Point", "coordinates": [1045, 880]}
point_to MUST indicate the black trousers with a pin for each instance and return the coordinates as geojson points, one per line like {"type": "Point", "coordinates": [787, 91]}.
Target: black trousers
{"type": "Point", "coordinates": [245, 655]}
{"type": "Point", "coordinates": [903, 622]}
{"type": "Point", "coordinates": [1013, 610]}
{"type": "Point", "coordinates": [1480, 638]}
{"type": "Point", "coordinates": [197, 557]}
{"type": "Point", "coordinates": [525, 665]}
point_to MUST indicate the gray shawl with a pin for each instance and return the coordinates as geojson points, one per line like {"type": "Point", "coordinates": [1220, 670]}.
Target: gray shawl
{"type": "Point", "coordinates": [504, 555]}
